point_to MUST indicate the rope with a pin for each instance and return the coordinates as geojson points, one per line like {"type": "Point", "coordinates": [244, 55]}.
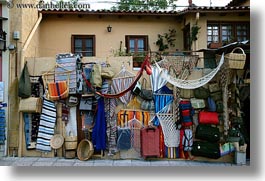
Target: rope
{"type": "Point", "coordinates": [145, 65]}
{"type": "Point", "coordinates": [191, 84]}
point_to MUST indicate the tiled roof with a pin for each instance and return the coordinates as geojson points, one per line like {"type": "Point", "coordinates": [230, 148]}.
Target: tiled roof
{"type": "Point", "coordinates": [148, 12]}
{"type": "Point", "coordinates": [236, 2]}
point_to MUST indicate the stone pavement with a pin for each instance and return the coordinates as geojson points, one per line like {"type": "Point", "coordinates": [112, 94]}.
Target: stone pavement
{"type": "Point", "coordinates": [37, 161]}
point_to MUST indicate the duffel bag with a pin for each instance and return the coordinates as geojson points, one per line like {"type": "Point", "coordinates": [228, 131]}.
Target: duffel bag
{"type": "Point", "coordinates": [206, 149]}
{"type": "Point", "coordinates": [206, 117]}
{"type": "Point", "coordinates": [207, 133]}
{"type": "Point", "coordinates": [201, 93]}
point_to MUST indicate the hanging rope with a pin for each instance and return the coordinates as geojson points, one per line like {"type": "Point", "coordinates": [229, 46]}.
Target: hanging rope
{"type": "Point", "coordinates": [145, 66]}
{"type": "Point", "coordinates": [191, 84]}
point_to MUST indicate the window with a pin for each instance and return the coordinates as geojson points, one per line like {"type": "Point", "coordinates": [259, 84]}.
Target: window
{"type": "Point", "coordinates": [137, 46]}
{"type": "Point", "coordinates": [84, 44]}
{"type": "Point", "coordinates": [227, 32]}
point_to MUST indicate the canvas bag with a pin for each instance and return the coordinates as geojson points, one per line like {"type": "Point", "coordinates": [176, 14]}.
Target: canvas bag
{"type": "Point", "coordinates": [24, 84]}
{"type": "Point", "coordinates": [95, 77]}
{"type": "Point", "coordinates": [86, 104]}
{"type": "Point", "coordinates": [30, 105]}
{"type": "Point", "coordinates": [146, 93]}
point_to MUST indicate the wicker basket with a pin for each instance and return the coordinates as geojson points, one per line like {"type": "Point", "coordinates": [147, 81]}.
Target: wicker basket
{"type": "Point", "coordinates": [236, 60]}
{"type": "Point", "coordinates": [85, 150]}
{"type": "Point", "coordinates": [70, 142]}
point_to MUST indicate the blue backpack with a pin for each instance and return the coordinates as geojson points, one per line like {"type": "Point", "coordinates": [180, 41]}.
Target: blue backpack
{"type": "Point", "coordinates": [211, 105]}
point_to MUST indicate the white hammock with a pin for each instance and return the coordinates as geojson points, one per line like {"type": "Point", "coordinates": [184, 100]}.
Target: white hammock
{"type": "Point", "coordinates": [190, 84]}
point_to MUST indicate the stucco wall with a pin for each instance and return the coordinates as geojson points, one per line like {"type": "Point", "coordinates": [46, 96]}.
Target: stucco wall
{"type": "Point", "coordinates": [55, 34]}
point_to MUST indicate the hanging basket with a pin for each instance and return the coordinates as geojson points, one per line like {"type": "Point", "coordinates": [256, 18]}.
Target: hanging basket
{"type": "Point", "coordinates": [236, 60]}
{"type": "Point", "coordinates": [85, 150]}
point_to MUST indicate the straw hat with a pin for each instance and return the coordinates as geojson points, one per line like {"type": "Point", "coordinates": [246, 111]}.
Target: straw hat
{"type": "Point", "coordinates": [85, 150]}
{"type": "Point", "coordinates": [57, 141]}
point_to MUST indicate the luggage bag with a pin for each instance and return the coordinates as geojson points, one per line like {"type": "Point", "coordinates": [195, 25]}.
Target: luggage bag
{"type": "Point", "coordinates": [149, 142]}
{"type": "Point", "coordinates": [206, 149]}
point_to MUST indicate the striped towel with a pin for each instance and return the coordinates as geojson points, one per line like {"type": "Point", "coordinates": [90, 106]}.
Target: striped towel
{"type": "Point", "coordinates": [46, 127]}
{"type": "Point", "coordinates": [58, 90]}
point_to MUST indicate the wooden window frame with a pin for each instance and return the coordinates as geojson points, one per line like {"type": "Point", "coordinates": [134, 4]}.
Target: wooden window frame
{"type": "Point", "coordinates": [136, 55]}
{"type": "Point", "coordinates": [93, 37]}
{"type": "Point", "coordinates": [234, 24]}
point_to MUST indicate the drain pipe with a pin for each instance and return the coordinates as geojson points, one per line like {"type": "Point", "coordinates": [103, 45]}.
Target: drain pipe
{"type": "Point", "coordinates": [20, 149]}
{"type": "Point", "coordinates": [29, 40]}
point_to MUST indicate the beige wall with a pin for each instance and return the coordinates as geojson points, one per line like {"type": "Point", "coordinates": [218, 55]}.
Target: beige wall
{"type": "Point", "coordinates": [55, 34]}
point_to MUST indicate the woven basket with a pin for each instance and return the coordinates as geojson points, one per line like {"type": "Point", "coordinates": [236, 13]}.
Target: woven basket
{"type": "Point", "coordinates": [70, 142]}
{"type": "Point", "coordinates": [85, 150]}
{"type": "Point", "coordinates": [236, 60]}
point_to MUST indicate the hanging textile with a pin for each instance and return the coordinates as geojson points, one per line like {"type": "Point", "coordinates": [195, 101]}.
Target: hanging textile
{"type": "Point", "coordinates": [46, 127]}
{"type": "Point", "coordinates": [190, 84]}
{"type": "Point", "coordinates": [157, 82]}
{"type": "Point", "coordinates": [145, 66]}
{"type": "Point", "coordinates": [99, 130]}
{"type": "Point", "coordinates": [2, 127]}
{"type": "Point", "coordinates": [71, 126]}
{"type": "Point", "coordinates": [67, 64]}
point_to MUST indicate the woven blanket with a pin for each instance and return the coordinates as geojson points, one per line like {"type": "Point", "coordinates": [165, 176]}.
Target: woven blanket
{"type": "Point", "coordinates": [67, 62]}
{"type": "Point", "coordinates": [126, 115]}
{"type": "Point", "coordinates": [2, 127]}
{"type": "Point", "coordinates": [46, 127]}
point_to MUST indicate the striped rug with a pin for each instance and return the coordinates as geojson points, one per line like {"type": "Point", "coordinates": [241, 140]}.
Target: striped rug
{"type": "Point", "coordinates": [46, 127]}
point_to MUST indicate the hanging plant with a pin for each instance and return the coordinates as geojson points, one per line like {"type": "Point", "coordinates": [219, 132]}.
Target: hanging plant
{"type": "Point", "coordinates": [167, 40]}
{"type": "Point", "coordinates": [194, 32]}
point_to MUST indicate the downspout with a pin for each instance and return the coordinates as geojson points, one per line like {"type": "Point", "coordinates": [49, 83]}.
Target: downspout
{"type": "Point", "coordinates": [20, 149]}
{"type": "Point", "coordinates": [29, 39]}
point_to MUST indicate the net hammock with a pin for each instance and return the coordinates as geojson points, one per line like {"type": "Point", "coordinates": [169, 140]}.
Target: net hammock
{"type": "Point", "coordinates": [190, 84]}
{"type": "Point", "coordinates": [168, 124]}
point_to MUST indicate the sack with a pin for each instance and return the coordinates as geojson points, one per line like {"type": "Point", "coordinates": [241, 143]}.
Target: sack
{"type": "Point", "coordinates": [24, 85]}
{"type": "Point", "coordinates": [219, 106]}
{"type": "Point", "coordinates": [207, 133]}
{"type": "Point", "coordinates": [211, 105]}
{"type": "Point", "coordinates": [201, 93]}
{"type": "Point", "coordinates": [30, 105]}
{"type": "Point", "coordinates": [217, 96]}
{"type": "Point", "coordinates": [208, 118]}
{"type": "Point", "coordinates": [206, 149]}
{"type": "Point", "coordinates": [148, 105]}
{"type": "Point", "coordinates": [95, 78]}
{"type": "Point", "coordinates": [58, 90]}
{"type": "Point", "coordinates": [186, 93]}
{"type": "Point", "coordinates": [214, 87]}
{"type": "Point", "coordinates": [197, 103]}
{"type": "Point", "coordinates": [107, 73]}
{"type": "Point", "coordinates": [187, 140]}
{"type": "Point", "coordinates": [137, 88]}
{"type": "Point", "coordinates": [146, 93]}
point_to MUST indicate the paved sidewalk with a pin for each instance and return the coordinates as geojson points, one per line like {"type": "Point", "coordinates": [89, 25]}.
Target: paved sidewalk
{"type": "Point", "coordinates": [36, 161]}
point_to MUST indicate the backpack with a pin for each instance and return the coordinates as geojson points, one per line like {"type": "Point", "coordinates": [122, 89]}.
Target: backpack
{"type": "Point", "coordinates": [211, 105]}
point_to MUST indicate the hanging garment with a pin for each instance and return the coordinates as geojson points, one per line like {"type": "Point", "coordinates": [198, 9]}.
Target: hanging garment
{"type": "Point", "coordinates": [99, 130]}
{"type": "Point", "coordinates": [46, 127]}
{"type": "Point", "coordinates": [157, 82]}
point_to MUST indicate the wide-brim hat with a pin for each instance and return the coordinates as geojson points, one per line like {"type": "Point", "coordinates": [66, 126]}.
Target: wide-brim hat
{"type": "Point", "coordinates": [57, 141]}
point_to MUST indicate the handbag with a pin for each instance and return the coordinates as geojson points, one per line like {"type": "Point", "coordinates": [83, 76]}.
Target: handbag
{"type": "Point", "coordinates": [201, 93]}
{"type": "Point", "coordinates": [148, 105]}
{"type": "Point", "coordinates": [197, 103]}
{"type": "Point", "coordinates": [186, 93]}
{"type": "Point", "coordinates": [207, 133]}
{"type": "Point", "coordinates": [30, 105]}
{"type": "Point", "coordinates": [214, 87]}
{"type": "Point", "coordinates": [95, 77]}
{"type": "Point", "coordinates": [145, 93]}
{"type": "Point", "coordinates": [216, 96]}
{"type": "Point", "coordinates": [107, 72]}
{"type": "Point", "coordinates": [24, 85]}
{"type": "Point", "coordinates": [208, 117]}
{"type": "Point", "coordinates": [58, 90]}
